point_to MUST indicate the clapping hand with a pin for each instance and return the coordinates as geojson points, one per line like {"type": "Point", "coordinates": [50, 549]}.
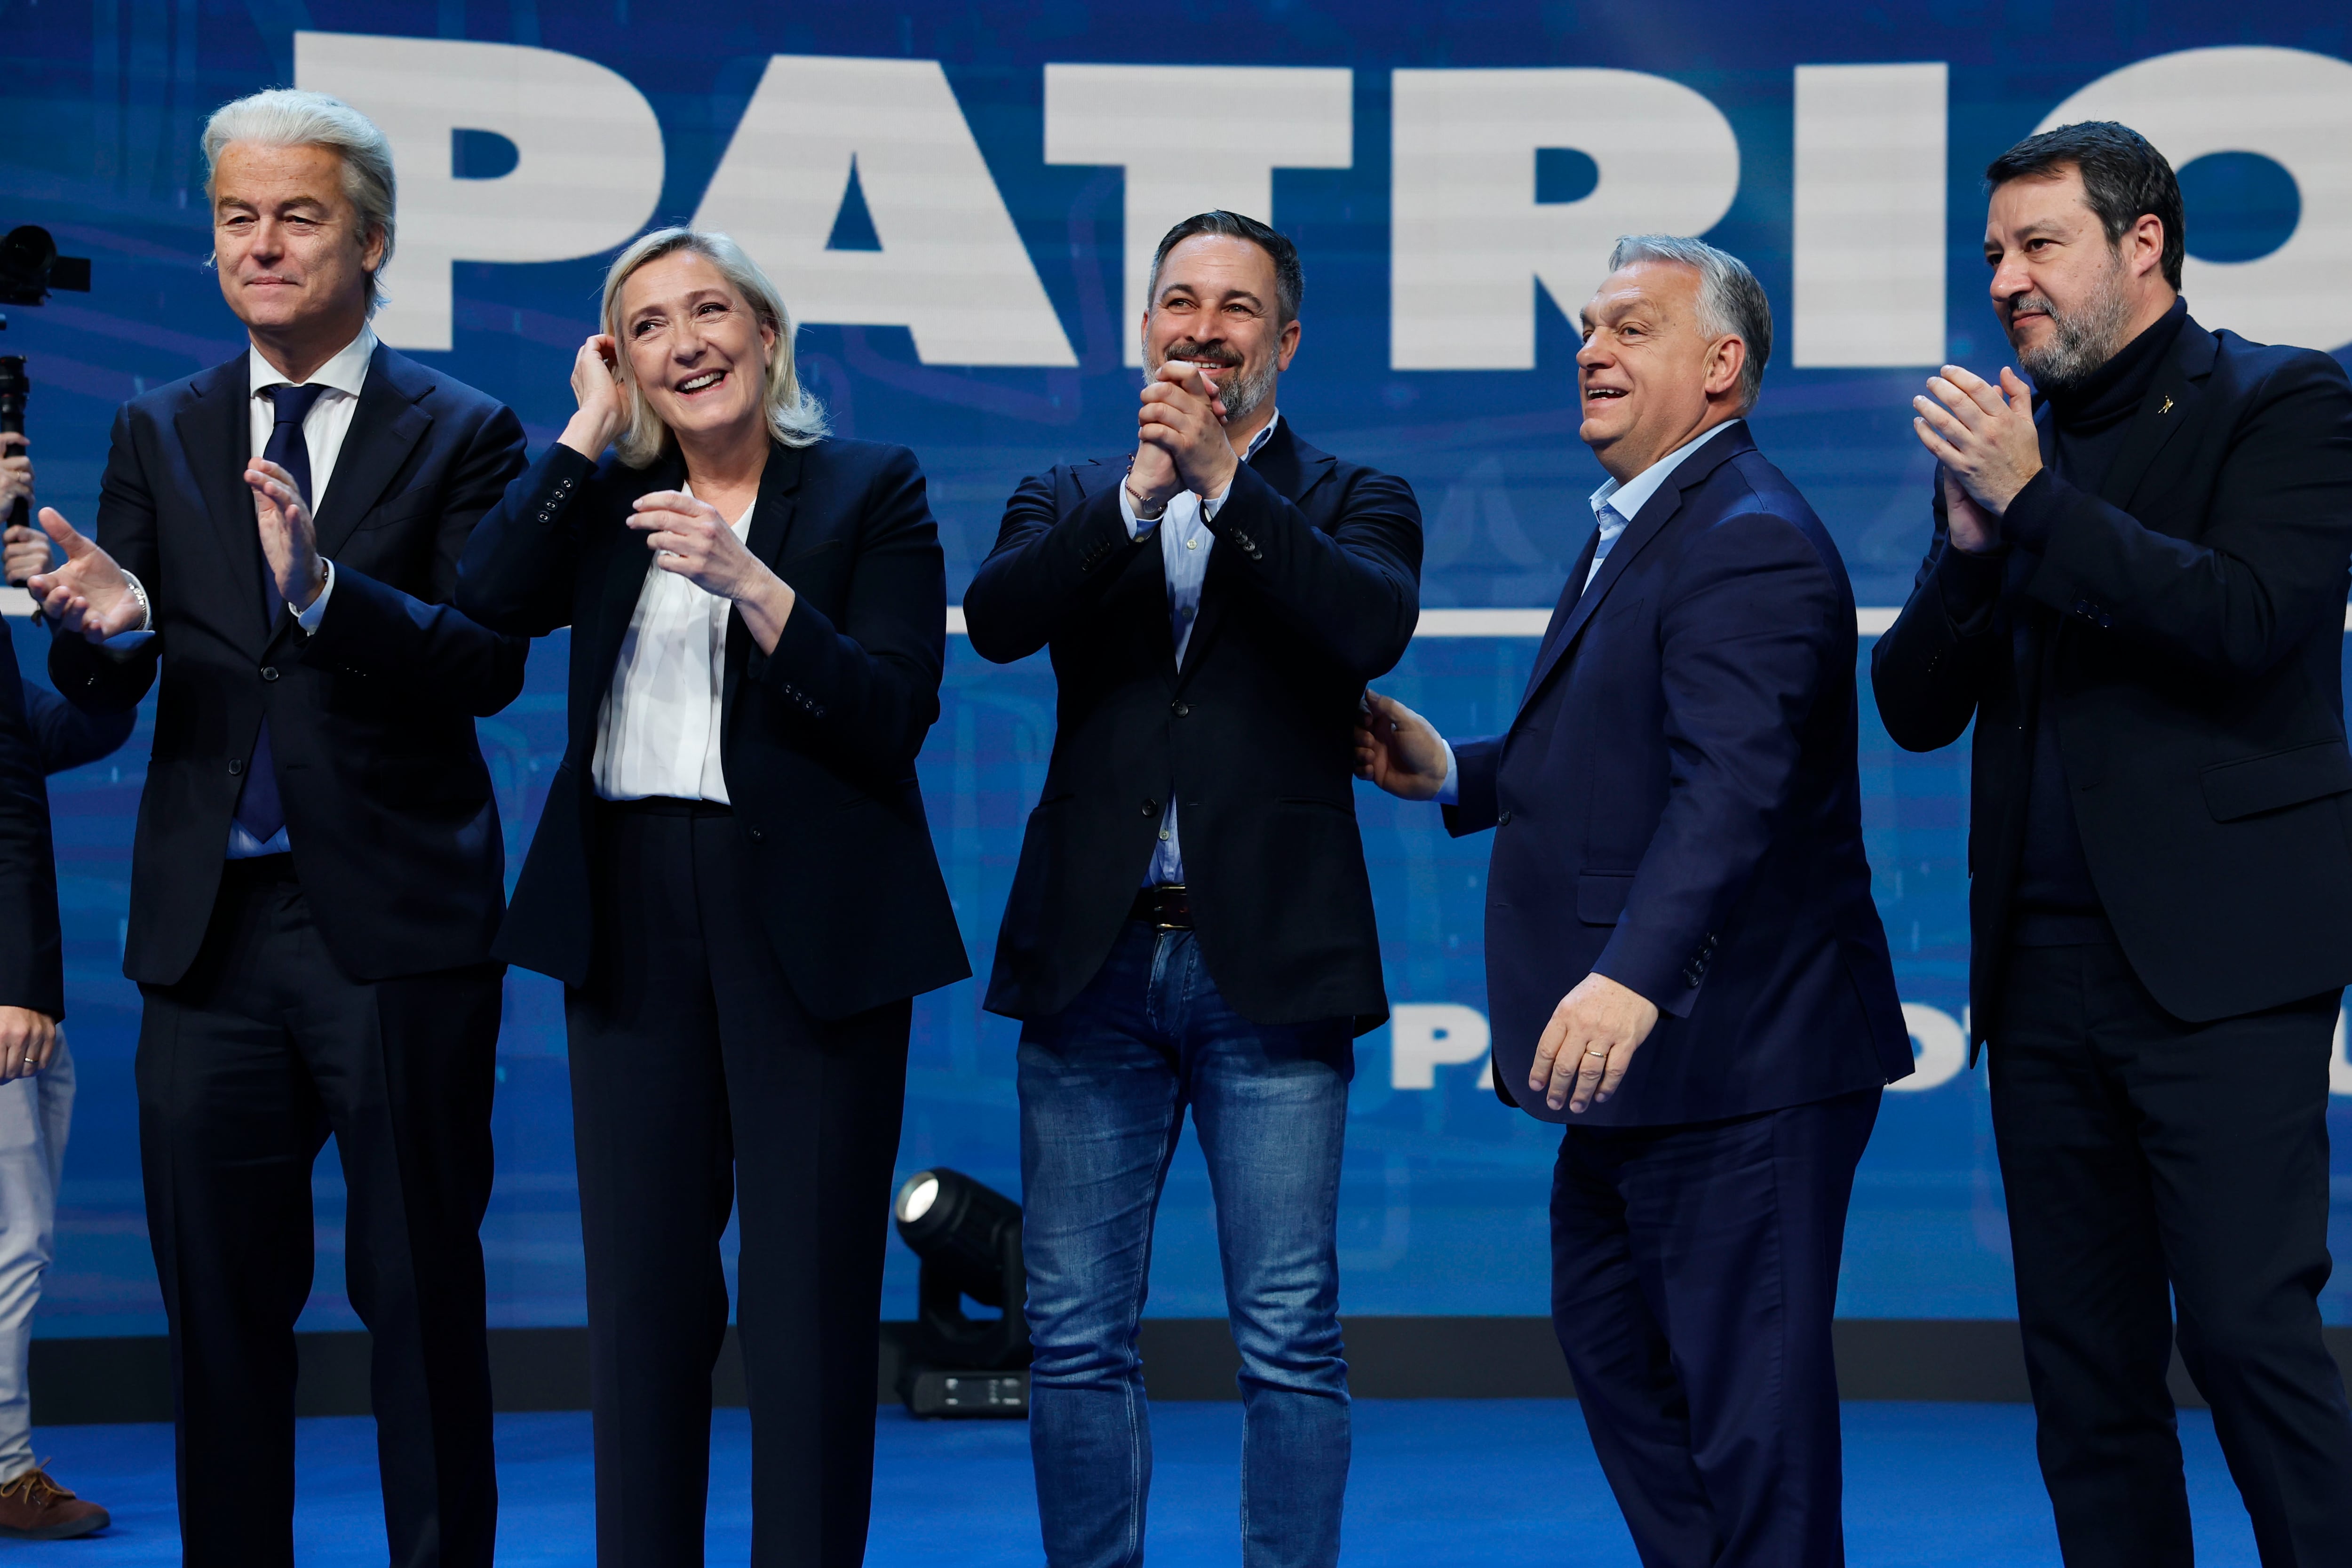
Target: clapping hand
{"type": "Point", "coordinates": [1984, 437]}
{"type": "Point", "coordinates": [289, 539]}
{"type": "Point", "coordinates": [87, 592]}
{"type": "Point", "coordinates": [1181, 436]}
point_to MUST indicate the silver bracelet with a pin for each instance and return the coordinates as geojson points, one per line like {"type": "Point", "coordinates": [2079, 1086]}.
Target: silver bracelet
{"type": "Point", "coordinates": [146, 610]}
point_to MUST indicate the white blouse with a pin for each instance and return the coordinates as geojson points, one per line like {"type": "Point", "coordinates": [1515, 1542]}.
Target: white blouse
{"type": "Point", "coordinates": [657, 733]}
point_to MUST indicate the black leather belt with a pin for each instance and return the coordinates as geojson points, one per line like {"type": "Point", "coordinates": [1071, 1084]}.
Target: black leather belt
{"type": "Point", "coordinates": [667, 805]}
{"type": "Point", "coordinates": [1166, 905]}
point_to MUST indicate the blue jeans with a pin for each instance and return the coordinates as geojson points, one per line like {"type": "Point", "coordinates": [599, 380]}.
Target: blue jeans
{"type": "Point", "coordinates": [1104, 1086]}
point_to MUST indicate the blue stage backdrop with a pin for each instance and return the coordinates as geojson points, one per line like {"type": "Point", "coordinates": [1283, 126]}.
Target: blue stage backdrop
{"type": "Point", "coordinates": [958, 201]}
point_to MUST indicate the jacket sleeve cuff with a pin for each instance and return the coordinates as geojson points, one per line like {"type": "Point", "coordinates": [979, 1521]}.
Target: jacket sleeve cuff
{"type": "Point", "coordinates": [795, 665]}
{"type": "Point", "coordinates": [1968, 585]}
{"type": "Point", "coordinates": [1136, 525]}
{"type": "Point", "coordinates": [2033, 511]}
{"type": "Point", "coordinates": [1657, 967]}
{"type": "Point", "coordinates": [1475, 808]}
{"type": "Point", "coordinates": [308, 619]}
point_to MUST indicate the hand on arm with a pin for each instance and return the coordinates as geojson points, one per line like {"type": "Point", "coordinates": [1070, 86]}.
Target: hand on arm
{"type": "Point", "coordinates": [88, 594]}
{"type": "Point", "coordinates": [1590, 1042]}
{"type": "Point", "coordinates": [1984, 437]}
{"type": "Point", "coordinates": [1399, 750]}
{"type": "Point", "coordinates": [28, 1040]}
{"type": "Point", "coordinates": [688, 537]}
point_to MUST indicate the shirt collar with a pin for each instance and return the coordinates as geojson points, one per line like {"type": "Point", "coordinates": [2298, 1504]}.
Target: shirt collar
{"type": "Point", "coordinates": [1628, 499]}
{"type": "Point", "coordinates": [346, 373]}
{"type": "Point", "coordinates": [1263, 437]}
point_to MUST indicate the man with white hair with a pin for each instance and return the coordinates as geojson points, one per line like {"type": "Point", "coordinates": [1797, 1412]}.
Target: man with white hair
{"type": "Point", "coordinates": [1683, 962]}
{"type": "Point", "coordinates": [319, 870]}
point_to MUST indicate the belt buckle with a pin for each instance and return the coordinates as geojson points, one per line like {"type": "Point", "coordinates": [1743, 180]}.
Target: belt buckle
{"type": "Point", "coordinates": [1166, 895]}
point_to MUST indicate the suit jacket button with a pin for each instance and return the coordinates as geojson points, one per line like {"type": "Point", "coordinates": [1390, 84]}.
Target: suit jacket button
{"type": "Point", "coordinates": [1150, 809]}
{"type": "Point", "coordinates": [268, 672]}
{"type": "Point", "coordinates": [235, 767]}
{"type": "Point", "coordinates": [759, 836]}
{"type": "Point", "coordinates": [1503, 819]}
{"type": "Point", "coordinates": [1180, 709]}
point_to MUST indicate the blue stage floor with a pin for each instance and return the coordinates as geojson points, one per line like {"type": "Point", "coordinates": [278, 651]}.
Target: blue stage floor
{"type": "Point", "coordinates": [1490, 1483]}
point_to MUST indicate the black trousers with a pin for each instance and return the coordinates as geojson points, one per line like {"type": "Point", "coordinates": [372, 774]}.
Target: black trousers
{"type": "Point", "coordinates": [2142, 1154]}
{"type": "Point", "coordinates": [243, 1068]}
{"type": "Point", "coordinates": [1694, 1277]}
{"type": "Point", "coordinates": [697, 1076]}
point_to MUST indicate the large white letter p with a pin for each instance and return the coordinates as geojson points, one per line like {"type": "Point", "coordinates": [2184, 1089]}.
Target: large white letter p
{"type": "Point", "coordinates": [587, 175]}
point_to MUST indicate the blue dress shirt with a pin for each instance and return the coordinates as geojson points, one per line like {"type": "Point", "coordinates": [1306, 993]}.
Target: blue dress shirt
{"type": "Point", "coordinates": [1184, 546]}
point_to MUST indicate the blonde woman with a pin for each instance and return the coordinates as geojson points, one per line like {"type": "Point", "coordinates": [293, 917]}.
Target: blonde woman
{"type": "Point", "coordinates": [734, 881]}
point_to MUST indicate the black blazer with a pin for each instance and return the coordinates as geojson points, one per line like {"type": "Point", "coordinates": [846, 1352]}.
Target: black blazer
{"type": "Point", "coordinates": [817, 739]}
{"type": "Point", "coordinates": [32, 961]}
{"type": "Point", "coordinates": [40, 734]}
{"type": "Point", "coordinates": [395, 829]}
{"type": "Point", "coordinates": [1676, 807]}
{"type": "Point", "coordinates": [2198, 606]}
{"type": "Point", "coordinates": [1313, 589]}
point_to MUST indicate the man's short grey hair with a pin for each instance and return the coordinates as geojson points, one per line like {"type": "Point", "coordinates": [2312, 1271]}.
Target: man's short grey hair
{"type": "Point", "coordinates": [794, 416]}
{"type": "Point", "coordinates": [287, 116]}
{"type": "Point", "coordinates": [1731, 303]}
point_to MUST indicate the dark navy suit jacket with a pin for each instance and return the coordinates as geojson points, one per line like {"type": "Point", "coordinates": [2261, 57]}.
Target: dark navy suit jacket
{"type": "Point", "coordinates": [1679, 809]}
{"type": "Point", "coordinates": [817, 739]}
{"type": "Point", "coordinates": [388, 801]}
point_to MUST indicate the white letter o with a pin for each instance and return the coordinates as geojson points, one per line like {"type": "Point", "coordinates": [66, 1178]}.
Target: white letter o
{"type": "Point", "coordinates": [2288, 105]}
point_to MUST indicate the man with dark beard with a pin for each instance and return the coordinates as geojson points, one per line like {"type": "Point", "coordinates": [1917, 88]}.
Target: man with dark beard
{"type": "Point", "coordinates": [1216, 599]}
{"type": "Point", "coordinates": [2137, 591]}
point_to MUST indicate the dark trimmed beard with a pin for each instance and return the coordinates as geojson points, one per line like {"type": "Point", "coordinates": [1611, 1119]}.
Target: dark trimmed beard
{"type": "Point", "coordinates": [2081, 341]}
{"type": "Point", "coordinates": [1239, 391]}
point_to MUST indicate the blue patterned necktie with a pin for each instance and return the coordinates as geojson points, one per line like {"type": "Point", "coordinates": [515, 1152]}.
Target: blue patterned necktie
{"type": "Point", "coordinates": [258, 809]}
{"type": "Point", "coordinates": [1609, 537]}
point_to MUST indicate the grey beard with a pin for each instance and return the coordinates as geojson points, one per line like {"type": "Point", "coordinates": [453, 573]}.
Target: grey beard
{"type": "Point", "coordinates": [2082, 341]}
{"type": "Point", "coordinates": [1239, 391]}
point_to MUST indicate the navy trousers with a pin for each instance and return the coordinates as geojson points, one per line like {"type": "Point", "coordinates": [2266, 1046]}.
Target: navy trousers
{"type": "Point", "coordinates": [1694, 1277]}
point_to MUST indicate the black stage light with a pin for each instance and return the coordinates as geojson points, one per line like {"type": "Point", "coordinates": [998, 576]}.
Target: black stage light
{"type": "Point", "coordinates": [968, 1238]}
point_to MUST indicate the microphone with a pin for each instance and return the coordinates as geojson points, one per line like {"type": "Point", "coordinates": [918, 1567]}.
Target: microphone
{"type": "Point", "coordinates": [14, 384]}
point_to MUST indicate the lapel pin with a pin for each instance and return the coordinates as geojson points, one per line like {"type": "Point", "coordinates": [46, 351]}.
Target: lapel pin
{"type": "Point", "coordinates": [2166, 408]}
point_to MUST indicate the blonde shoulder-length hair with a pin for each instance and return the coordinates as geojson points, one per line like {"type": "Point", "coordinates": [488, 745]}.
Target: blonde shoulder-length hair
{"type": "Point", "coordinates": [794, 416]}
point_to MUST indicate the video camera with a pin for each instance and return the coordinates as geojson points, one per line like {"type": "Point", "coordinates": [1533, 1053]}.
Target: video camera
{"type": "Point", "coordinates": [30, 268]}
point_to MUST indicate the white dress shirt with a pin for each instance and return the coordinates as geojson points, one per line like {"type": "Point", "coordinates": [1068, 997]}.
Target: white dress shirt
{"type": "Point", "coordinates": [657, 732]}
{"type": "Point", "coordinates": [1184, 546]}
{"type": "Point", "coordinates": [1614, 508]}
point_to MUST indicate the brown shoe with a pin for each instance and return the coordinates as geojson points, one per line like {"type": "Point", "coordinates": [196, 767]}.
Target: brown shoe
{"type": "Point", "coordinates": [35, 1508]}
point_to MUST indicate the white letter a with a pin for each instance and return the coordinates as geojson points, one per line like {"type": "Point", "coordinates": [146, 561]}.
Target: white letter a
{"type": "Point", "coordinates": [952, 269]}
